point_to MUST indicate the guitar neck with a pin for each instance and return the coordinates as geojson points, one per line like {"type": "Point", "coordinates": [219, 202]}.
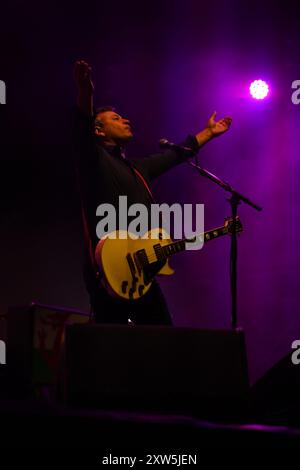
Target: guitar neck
{"type": "Point", "coordinates": [180, 245]}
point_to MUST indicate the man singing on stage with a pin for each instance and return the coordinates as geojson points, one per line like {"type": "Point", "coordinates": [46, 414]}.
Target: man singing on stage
{"type": "Point", "coordinates": [105, 173]}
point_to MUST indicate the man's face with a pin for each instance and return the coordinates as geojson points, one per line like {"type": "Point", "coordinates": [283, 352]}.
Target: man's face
{"type": "Point", "coordinates": [114, 130]}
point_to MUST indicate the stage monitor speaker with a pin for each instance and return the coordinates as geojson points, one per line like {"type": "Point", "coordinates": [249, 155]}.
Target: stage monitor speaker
{"type": "Point", "coordinates": [35, 335]}
{"type": "Point", "coordinates": [157, 368]}
{"type": "Point", "coordinates": [275, 396]}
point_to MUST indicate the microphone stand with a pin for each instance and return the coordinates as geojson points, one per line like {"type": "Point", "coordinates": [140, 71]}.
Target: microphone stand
{"type": "Point", "coordinates": [235, 199]}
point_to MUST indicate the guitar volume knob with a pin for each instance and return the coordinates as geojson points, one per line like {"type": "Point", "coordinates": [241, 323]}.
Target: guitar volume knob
{"type": "Point", "coordinates": [141, 290]}
{"type": "Point", "coordinates": [124, 286]}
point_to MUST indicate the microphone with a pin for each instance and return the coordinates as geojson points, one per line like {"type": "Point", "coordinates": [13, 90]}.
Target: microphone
{"type": "Point", "coordinates": [165, 144]}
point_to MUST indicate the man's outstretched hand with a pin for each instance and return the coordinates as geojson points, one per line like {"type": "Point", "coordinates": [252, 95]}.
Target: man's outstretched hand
{"type": "Point", "coordinates": [213, 129]}
{"type": "Point", "coordinates": [218, 127]}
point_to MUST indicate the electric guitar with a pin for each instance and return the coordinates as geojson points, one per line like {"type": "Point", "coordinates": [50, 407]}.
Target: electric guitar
{"type": "Point", "coordinates": [128, 265]}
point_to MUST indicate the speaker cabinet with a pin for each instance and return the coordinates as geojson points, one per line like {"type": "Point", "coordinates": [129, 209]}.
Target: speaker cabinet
{"type": "Point", "coordinates": [157, 368]}
{"type": "Point", "coordinates": [35, 336]}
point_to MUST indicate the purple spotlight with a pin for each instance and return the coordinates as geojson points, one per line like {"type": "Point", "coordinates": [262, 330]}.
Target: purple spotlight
{"type": "Point", "coordinates": [259, 89]}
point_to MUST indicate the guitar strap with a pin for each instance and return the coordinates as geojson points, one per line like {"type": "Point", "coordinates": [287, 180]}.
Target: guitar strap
{"type": "Point", "coordinates": [85, 225]}
{"type": "Point", "coordinates": [144, 182]}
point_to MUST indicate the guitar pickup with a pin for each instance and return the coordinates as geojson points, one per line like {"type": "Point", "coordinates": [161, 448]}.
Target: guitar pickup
{"type": "Point", "coordinates": [131, 292]}
{"type": "Point", "coordinates": [131, 265]}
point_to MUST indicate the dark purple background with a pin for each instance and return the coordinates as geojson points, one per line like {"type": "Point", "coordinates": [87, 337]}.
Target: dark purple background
{"type": "Point", "coordinates": [167, 66]}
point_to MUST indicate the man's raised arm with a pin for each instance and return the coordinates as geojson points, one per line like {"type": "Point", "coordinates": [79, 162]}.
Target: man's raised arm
{"type": "Point", "coordinates": [85, 87]}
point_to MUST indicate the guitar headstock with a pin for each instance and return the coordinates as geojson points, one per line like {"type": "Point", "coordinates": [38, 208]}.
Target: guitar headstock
{"type": "Point", "coordinates": [229, 223]}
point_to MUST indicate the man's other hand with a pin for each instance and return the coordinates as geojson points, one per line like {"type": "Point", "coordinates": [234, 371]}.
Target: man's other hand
{"type": "Point", "coordinates": [217, 128]}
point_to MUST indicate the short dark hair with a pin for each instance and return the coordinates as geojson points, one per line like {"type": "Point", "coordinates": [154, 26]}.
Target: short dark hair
{"type": "Point", "coordinates": [103, 109]}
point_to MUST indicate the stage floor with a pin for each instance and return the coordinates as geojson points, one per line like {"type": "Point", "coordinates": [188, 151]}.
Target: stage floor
{"type": "Point", "coordinates": [30, 424]}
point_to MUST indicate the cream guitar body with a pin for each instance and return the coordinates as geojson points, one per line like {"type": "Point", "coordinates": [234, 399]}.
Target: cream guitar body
{"type": "Point", "coordinates": [120, 262]}
{"type": "Point", "coordinates": [128, 264]}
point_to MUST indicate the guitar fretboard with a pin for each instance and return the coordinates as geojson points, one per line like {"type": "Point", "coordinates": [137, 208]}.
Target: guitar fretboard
{"type": "Point", "coordinates": [180, 245]}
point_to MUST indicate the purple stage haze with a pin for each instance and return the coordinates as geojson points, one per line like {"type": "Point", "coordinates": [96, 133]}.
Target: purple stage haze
{"type": "Point", "coordinates": [166, 66]}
